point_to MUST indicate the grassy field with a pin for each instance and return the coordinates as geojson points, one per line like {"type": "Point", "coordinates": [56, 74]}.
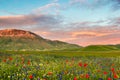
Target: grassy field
{"type": "Point", "coordinates": [60, 65]}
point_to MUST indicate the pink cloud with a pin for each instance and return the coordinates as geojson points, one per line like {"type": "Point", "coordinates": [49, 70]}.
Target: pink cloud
{"type": "Point", "coordinates": [83, 38]}
{"type": "Point", "coordinates": [29, 20]}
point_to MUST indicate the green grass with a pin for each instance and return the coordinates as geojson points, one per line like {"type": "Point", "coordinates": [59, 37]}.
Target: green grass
{"type": "Point", "coordinates": [70, 53]}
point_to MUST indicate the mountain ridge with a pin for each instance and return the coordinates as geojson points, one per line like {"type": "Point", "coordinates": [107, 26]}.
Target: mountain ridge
{"type": "Point", "coordinates": [101, 47]}
{"type": "Point", "coordinates": [15, 39]}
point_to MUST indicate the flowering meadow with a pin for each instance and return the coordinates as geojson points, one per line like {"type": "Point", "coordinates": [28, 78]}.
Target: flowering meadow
{"type": "Point", "coordinates": [53, 67]}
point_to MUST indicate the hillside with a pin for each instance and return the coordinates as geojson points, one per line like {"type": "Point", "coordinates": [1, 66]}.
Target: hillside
{"type": "Point", "coordinates": [13, 39]}
{"type": "Point", "coordinates": [101, 48]}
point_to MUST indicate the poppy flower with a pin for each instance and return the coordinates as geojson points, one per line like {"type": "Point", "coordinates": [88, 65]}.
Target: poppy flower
{"type": "Point", "coordinates": [10, 58]}
{"type": "Point", "coordinates": [75, 78]}
{"type": "Point", "coordinates": [4, 60]}
{"type": "Point", "coordinates": [112, 69]}
{"type": "Point", "coordinates": [50, 73]}
{"type": "Point", "coordinates": [115, 76]}
{"type": "Point", "coordinates": [105, 73]}
{"type": "Point", "coordinates": [28, 62]}
{"type": "Point", "coordinates": [109, 79]}
{"type": "Point", "coordinates": [31, 77]}
{"type": "Point", "coordinates": [85, 65]}
{"type": "Point", "coordinates": [80, 64]}
{"type": "Point", "coordinates": [87, 76]}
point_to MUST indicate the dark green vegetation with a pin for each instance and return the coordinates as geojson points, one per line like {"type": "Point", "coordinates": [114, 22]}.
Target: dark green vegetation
{"type": "Point", "coordinates": [59, 65]}
{"type": "Point", "coordinates": [31, 44]}
{"type": "Point", "coordinates": [102, 48]}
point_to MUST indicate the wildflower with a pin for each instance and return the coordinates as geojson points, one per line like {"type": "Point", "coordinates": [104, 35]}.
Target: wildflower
{"type": "Point", "coordinates": [28, 62]}
{"type": "Point", "coordinates": [24, 66]}
{"type": "Point", "coordinates": [75, 78]}
{"type": "Point", "coordinates": [85, 65]}
{"type": "Point", "coordinates": [10, 58]}
{"type": "Point", "coordinates": [112, 64]}
{"type": "Point", "coordinates": [115, 76]}
{"type": "Point", "coordinates": [40, 64]}
{"type": "Point", "coordinates": [80, 64]}
{"type": "Point", "coordinates": [31, 77]}
{"type": "Point", "coordinates": [65, 72]}
{"type": "Point", "coordinates": [105, 73]}
{"type": "Point", "coordinates": [22, 62]}
{"type": "Point", "coordinates": [60, 76]}
{"type": "Point", "coordinates": [50, 73]}
{"type": "Point", "coordinates": [4, 60]}
{"type": "Point", "coordinates": [109, 78]}
{"type": "Point", "coordinates": [16, 65]}
{"type": "Point", "coordinates": [24, 79]}
{"type": "Point", "coordinates": [87, 76]}
{"type": "Point", "coordinates": [8, 76]}
{"type": "Point", "coordinates": [112, 69]}
{"type": "Point", "coordinates": [81, 75]}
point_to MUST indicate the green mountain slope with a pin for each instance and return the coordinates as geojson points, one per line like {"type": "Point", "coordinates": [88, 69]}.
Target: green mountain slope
{"type": "Point", "coordinates": [25, 40]}
{"type": "Point", "coordinates": [100, 48]}
{"type": "Point", "coordinates": [118, 46]}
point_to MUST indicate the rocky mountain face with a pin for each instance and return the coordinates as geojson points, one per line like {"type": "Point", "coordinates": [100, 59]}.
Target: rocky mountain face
{"type": "Point", "coordinates": [16, 33]}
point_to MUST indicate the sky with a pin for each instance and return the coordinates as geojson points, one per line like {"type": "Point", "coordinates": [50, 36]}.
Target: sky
{"type": "Point", "coordinates": [82, 22]}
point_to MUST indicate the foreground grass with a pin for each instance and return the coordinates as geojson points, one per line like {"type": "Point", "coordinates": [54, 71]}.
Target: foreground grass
{"type": "Point", "coordinates": [59, 65]}
{"type": "Point", "coordinates": [69, 53]}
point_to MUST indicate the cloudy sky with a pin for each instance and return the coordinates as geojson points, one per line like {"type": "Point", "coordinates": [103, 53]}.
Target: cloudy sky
{"type": "Point", "coordinates": [83, 22]}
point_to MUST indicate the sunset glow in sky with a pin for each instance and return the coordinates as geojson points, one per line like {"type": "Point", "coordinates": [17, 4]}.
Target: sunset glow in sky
{"type": "Point", "coordinates": [83, 22]}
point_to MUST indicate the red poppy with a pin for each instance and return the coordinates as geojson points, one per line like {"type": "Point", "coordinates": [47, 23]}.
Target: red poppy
{"type": "Point", "coordinates": [31, 76]}
{"type": "Point", "coordinates": [112, 69]}
{"type": "Point", "coordinates": [10, 58]}
{"type": "Point", "coordinates": [28, 62]}
{"type": "Point", "coordinates": [85, 65]}
{"type": "Point", "coordinates": [105, 73]}
{"type": "Point", "coordinates": [4, 60]}
{"type": "Point", "coordinates": [80, 64]}
{"type": "Point", "coordinates": [87, 76]}
{"type": "Point", "coordinates": [115, 76]}
{"type": "Point", "coordinates": [109, 79]}
{"type": "Point", "coordinates": [50, 73]}
{"type": "Point", "coordinates": [75, 78]}
{"type": "Point", "coordinates": [66, 61]}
